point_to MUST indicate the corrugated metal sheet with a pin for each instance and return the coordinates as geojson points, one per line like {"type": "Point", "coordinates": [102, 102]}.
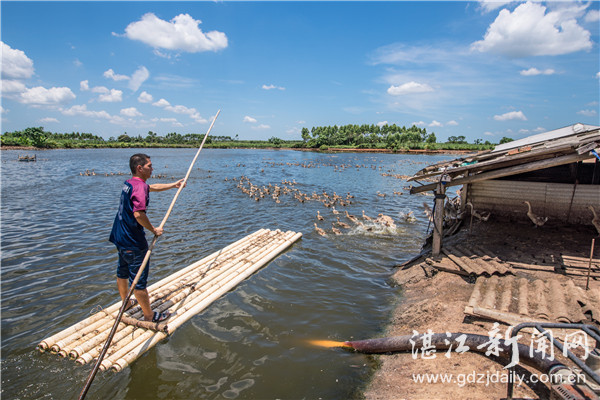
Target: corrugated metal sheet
{"type": "Point", "coordinates": [560, 147]}
{"type": "Point", "coordinates": [570, 130]}
{"type": "Point", "coordinates": [470, 261]}
{"type": "Point", "coordinates": [512, 299]}
{"type": "Point", "coordinates": [502, 197]}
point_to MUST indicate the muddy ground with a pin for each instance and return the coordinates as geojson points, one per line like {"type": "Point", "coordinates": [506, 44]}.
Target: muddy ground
{"type": "Point", "coordinates": [436, 300]}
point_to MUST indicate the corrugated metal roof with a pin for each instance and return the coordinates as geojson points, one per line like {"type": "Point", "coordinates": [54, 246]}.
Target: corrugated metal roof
{"type": "Point", "coordinates": [562, 146]}
{"type": "Point", "coordinates": [547, 136]}
{"type": "Point", "coordinates": [514, 299]}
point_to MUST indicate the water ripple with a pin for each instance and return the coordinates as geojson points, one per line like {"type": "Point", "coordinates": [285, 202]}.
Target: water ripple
{"type": "Point", "coordinates": [58, 266]}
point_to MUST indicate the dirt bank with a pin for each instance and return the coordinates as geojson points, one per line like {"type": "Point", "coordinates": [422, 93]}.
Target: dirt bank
{"type": "Point", "coordinates": [436, 300]}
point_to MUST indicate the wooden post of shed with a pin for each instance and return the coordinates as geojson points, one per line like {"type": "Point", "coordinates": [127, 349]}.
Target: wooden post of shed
{"type": "Point", "coordinates": [438, 220]}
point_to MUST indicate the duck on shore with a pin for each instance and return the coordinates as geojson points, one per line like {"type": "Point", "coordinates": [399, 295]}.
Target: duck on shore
{"type": "Point", "coordinates": [536, 219]}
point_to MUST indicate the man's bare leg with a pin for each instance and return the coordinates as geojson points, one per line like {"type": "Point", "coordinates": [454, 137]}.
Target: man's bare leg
{"type": "Point", "coordinates": [141, 296]}
{"type": "Point", "coordinates": [144, 301]}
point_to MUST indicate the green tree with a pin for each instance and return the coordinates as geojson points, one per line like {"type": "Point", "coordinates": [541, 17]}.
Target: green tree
{"type": "Point", "coordinates": [275, 141]}
{"type": "Point", "coordinates": [505, 140]}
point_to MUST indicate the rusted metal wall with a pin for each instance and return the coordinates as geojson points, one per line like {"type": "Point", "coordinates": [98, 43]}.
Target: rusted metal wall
{"type": "Point", "coordinates": [558, 201]}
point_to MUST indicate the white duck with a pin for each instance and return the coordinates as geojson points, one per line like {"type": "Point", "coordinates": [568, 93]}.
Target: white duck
{"type": "Point", "coordinates": [537, 220]}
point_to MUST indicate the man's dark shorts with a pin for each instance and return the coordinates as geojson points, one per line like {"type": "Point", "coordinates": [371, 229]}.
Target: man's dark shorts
{"type": "Point", "coordinates": [130, 261]}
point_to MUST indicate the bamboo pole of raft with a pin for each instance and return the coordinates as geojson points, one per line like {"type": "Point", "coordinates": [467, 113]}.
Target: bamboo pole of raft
{"type": "Point", "coordinates": [151, 339]}
{"type": "Point", "coordinates": [205, 281]}
{"type": "Point", "coordinates": [206, 259]}
{"type": "Point", "coordinates": [141, 342]}
{"type": "Point", "coordinates": [88, 383]}
{"type": "Point", "coordinates": [57, 341]}
{"type": "Point", "coordinates": [89, 337]}
{"type": "Point", "coordinates": [138, 346]}
{"type": "Point", "coordinates": [198, 272]}
{"type": "Point", "coordinates": [171, 298]}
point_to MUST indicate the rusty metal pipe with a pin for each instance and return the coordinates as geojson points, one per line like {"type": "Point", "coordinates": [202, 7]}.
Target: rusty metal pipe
{"type": "Point", "coordinates": [443, 341]}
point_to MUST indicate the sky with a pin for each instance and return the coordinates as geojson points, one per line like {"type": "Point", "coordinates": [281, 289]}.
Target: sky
{"type": "Point", "coordinates": [483, 70]}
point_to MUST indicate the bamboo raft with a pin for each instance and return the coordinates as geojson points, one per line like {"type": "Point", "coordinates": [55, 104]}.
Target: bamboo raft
{"type": "Point", "coordinates": [184, 293]}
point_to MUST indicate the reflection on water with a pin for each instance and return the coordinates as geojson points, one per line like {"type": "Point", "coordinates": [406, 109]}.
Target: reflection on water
{"type": "Point", "coordinates": [57, 265]}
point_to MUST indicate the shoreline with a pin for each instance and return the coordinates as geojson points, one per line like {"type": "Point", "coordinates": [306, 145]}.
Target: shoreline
{"type": "Point", "coordinates": [331, 150]}
{"type": "Point", "coordinates": [436, 300]}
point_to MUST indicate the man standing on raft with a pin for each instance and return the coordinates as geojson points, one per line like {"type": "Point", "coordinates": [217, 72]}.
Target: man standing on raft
{"type": "Point", "coordinates": [128, 232]}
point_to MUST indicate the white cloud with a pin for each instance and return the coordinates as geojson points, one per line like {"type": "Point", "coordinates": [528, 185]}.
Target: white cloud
{"type": "Point", "coordinates": [510, 116]}
{"type": "Point", "coordinates": [15, 64]}
{"type": "Point", "coordinates": [135, 81]}
{"type": "Point", "coordinates": [435, 124]}
{"type": "Point", "coordinates": [271, 87]}
{"type": "Point", "coordinates": [130, 112]}
{"type": "Point", "coordinates": [114, 96]}
{"type": "Point", "coordinates": [13, 86]}
{"type": "Point", "coordinates": [192, 112]}
{"type": "Point", "coordinates": [539, 129]}
{"type": "Point", "coordinates": [100, 89]}
{"type": "Point", "coordinates": [48, 119]}
{"type": "Point", "coordinates": [138, 77]}
{"type": "Point", "coordinates": [82, 110]}
{"type": "Point", "coordinates": [587, 113]}
{"type": "Point", "coordinates": [488, 133]}
{"type": "Point", "coordinates": [592, 16]}
{"type": "Point", "coordinates": [161, 103]}
{"type": "Point", "coordinates": [84, 86]}
{"type": "Point", "coordinates": [110, 74]}
{"type": "Point", "coordinates": [409, 88]}
{"type": "Point", "coordinates": [535, 71]}
{"type": "Point", "coordinates": [260, 127]}
{"type": "Point", "coordinates": [530, 31]}
{"type": "Point", "coordinates": [249, 119]}
{"type": "Point", "coordinates": [419, 123]}
{"type": "Point", "coordinates": [491, 5]}
{"type": "Point", "coordinates": [181, 33]}
{"type": "Point", "coordinates": [382, 123]}
{"type": "Point", "coordinates": [145, 97]}
{"type": "Point", "coordinates": [41, 96]}
{"type": "Point", "coordinates": [452, 123]}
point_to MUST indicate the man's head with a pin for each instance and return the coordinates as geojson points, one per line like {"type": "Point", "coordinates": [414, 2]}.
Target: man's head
{"type": "Point", "coordinates": [140, 165]}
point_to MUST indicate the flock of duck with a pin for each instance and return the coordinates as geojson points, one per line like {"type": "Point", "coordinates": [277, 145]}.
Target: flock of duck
{"type": "Point", "coordinates": [87, 172]}
{"type": "Point", "coordinates": [287, 187]}
{"type": "Point", "coordinates": [383, 221]}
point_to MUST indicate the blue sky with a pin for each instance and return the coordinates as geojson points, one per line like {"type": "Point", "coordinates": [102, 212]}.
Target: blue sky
{"type": "Point", "coordinates": [484, 70]}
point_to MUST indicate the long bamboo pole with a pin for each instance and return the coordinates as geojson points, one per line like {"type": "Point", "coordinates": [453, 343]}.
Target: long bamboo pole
{"type": "Point", "coordinates": [90, 379]}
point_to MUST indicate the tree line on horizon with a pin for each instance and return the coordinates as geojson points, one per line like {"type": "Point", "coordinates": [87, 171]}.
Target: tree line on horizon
{"type": "Point", "coordinates": [346, 136]}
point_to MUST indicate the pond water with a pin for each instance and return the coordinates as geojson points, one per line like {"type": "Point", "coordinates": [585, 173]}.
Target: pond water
{"type": "Point", "coordinates": [252, 343]}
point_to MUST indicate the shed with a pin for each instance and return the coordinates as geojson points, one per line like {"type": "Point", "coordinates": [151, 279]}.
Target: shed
{"type": "Point", "coordinates": [558, 172]}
